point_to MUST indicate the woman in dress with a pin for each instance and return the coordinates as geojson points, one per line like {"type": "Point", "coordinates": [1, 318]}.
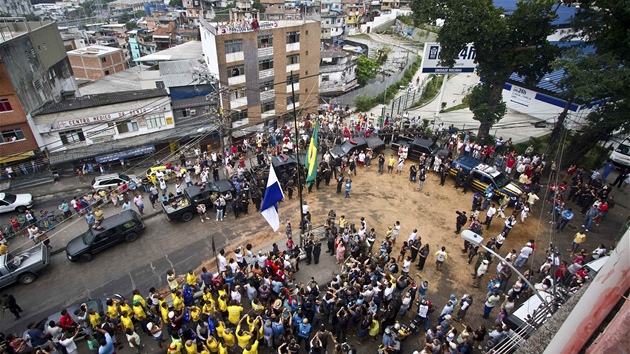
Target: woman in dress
{"type": "Point", "coordinates": [340, 253]}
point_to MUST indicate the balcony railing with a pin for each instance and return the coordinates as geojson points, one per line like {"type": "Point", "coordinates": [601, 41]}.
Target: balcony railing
{"type": "Point", "coordinates": [235, 80]}
{"type": "Point", "coordinates": [295, 85]}
{"type": "Point", "coordinates": [232, 57]}
{"type": "Point", "coordinates": [263, 74]}
{"type": "Point", "coordinates": [293, 67]}
{"type": "Point", "coordinates": [267, 95]}
{"type": "Point", "coordinates": [293, 47]}
{"type": "Point", "coordinates": [265, 52]}
{"type": "Point", "coordinates": [238, 102]}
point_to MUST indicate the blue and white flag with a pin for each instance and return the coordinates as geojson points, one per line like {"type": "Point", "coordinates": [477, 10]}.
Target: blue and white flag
{"type": "Point", "coordinates": [273, 194]}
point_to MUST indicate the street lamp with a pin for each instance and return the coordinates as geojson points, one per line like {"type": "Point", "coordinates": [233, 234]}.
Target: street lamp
{"type": "Point", "coordinates": [477, 240]}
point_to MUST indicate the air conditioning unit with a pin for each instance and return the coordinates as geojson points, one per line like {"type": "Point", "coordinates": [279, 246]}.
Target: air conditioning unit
{"type": "Point", "coordinates": [193, 112]}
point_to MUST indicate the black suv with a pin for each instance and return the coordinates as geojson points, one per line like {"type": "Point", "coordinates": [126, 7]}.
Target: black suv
{"type": "Point", "coordinates": [123, 226]}
{"type": "Point", "coordinates": [419, 146]}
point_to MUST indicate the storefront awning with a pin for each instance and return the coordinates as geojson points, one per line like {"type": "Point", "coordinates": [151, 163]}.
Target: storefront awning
{"type": "Point", "coordinates": [125, 154]}
{"type": "Point", "coordinates": [17, 156]}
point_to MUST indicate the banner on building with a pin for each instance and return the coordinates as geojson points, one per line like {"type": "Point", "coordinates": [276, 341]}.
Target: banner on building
{"type": "Point", "coordinates": [464, 63]}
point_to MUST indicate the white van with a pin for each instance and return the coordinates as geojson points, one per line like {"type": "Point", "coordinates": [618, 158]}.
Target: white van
{"type": "Point", "coordinates": [621, 154]}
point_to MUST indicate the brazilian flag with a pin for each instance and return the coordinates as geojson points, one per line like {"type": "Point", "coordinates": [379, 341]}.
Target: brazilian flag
{"type": "Point", "coordinates": [311, 157]}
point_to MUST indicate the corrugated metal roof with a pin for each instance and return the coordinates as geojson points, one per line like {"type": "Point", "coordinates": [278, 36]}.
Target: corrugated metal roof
{"type": "Point", "coordinates": [179, 73]}
{"type": "Point", "coordinates": [103, 99]}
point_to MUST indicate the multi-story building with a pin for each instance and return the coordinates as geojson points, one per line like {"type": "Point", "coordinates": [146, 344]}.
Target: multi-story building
{"type": "Point", "coordinates": [337, 71]}
{"type": "Point", "coordinates": [333, 23]}
{"type": "Point", "coordinates": [354, 10]}
{"type": "Point", "coordinates": [16, 7]}
{"type": "Point", "coordinates": [37, 66]}
{"type": "Point", "coordinates": [259, 62]}
{"type": "Point", "coordinates": [16, 138]}
{"type": "Point", "coordinates": [141, 43]}
{"type": "Point", "coordinates": [96, 62]}
{"type": "Point", "coordinates": [101, 124]}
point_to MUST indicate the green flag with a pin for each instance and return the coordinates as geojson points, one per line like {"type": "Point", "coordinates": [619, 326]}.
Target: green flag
{"type": "Point", "coordinates": [311, 157]}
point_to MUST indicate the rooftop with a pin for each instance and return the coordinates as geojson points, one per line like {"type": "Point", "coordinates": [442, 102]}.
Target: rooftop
{"type": "Point", "coordinates": [179, 73]}
{"type": "Point", "coordinates": [103, 99]}
{"type": "Point", "coordinates": [188, 50]}
{"type": "Point", "coordinates": [222, 28]}
{"type": "Point", "coordinates": [94, 50]}
{"type": "Point", "coordinates": [128, 80]}
{"type": "Point", "coordinates": [127, 2]}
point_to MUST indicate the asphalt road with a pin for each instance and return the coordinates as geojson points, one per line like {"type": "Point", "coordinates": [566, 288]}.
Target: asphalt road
{"type": "Point", "coordinates": [140, 265]}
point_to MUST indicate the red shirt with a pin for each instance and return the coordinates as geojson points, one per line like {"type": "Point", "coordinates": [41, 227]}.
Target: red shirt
{"type": "Point", "coordinates": [66, 321]}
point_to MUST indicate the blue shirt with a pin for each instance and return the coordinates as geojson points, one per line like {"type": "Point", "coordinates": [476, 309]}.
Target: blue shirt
{"type": "Point", "coordinates": [304, 330]}
{"type": "Point", "coordinates": [108, 348]}
{"type": "Point", "coordinates": [568, 215]}
{"type": "Point", "coordinates": [348, 185]}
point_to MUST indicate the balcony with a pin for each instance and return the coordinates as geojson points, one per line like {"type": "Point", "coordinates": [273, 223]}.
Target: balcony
{"type": "Point", "coordinates": [238, 102]}
{"type": "Point", "coordinates": [235, 80]}
{"type": "Point", "coordinates": [264, 74]}
{"type": "Point", "coordinates": [293, 67]}
{"type": "Point", "coordinates": [268, 114]}
{"type": "Point", "coordinates": [291, 47]}
{"type": "Point", "coordinates": [232, 57]}
{"type": "Point", "coordinates": [325, 69]}
{"type": "Point", "coordinates": [268, 95]}
{"type": "Point", "coordinates": [265, 52]}
{"type": "Point", "coordinates": [295, 85]}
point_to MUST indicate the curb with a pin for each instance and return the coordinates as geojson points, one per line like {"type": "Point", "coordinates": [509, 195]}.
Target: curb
{"type": "Point", "coordinates": [145, 217]}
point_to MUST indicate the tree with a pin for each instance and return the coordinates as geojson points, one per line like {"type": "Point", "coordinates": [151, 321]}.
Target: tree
{"type": "Point", "coordinates": [366, 69]}
{"type": "Point", "coordinates": [131, 25]}
{"type": "Point", "coordinates": [504, 44]}
{"type": "Point", "coordinates": [605, 73]}
{"type": "Point", "coordinates": [175, 3]}
{"type": "Point", "coordinates": [258, 6]}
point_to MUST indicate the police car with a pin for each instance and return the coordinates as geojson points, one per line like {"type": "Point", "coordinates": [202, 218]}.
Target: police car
{"type": "Point", "coordinates": [485, 175]}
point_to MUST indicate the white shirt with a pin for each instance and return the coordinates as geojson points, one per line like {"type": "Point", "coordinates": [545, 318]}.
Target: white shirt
{"type": "Point", "coordinates": [222, 263]}
{"type": "Point", "coordinates": [491, 212]}
{"type": "Point", "coordinates": [412, 237]}
{"type": "Point", "coordinates": [69, 344]}
{"type": "Point", "coordinates": [406, 266]}
{"type": "Point", "coordinates": [526, 252]}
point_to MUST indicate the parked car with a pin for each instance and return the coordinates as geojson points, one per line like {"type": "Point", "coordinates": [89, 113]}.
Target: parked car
{"type": "Point", "coordinates": [10, 202]}
{"type": "Point", "coordinates": [23, 267]}
{"type": "Point", "coordinates": [357, 144]}
{"type": "Point", "coordinates": [419, 146]}
{"type": "Point", "coordinates": [110, 180]}
{"type": "Point", "coordinates": [484, 175]}
{"type": "Point", "coordinates": [184, 206]}
{"type": "Point", "coordinates": [124, 226]}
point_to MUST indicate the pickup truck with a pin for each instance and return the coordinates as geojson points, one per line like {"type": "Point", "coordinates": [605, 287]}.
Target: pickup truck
{"type": "Point", "coordinates": [22, 268]}
{"type": "Point", "coordinates": [484, 175]}
{"type": "Point", "coordinates": [360, 144]}
{"type": "Point", "coordinates": [184, 206]}
{"type": "Point", "coordinates": [419, 146]}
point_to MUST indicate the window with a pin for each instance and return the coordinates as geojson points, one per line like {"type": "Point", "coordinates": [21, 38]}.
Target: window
{"type": "Point", "coordinates": [104, 59]}
{"type": "Point", "coordinates": [237, 94]}
{"type": "Point", "coordinates": [38, 85]}
{"type": "Point", "coordinates": [236, 70]}
{"type": "Point", "coordinates": [239, 115]}
{"type": "Point", "coordinates": [290, 99]}
{"type": "Point", "coordinates": [266, 107]}
{"type": "Point", "coordinates": [155, 121]}
{"type": "Point", "coordinates": [265, 41]}
{"type": "Point", "coordinates": [127, 126]}
{"type": "Point", "coordinates": [266, 86]}
{"type": "Point", "coordinates": [265, 64]}
{"type": "Point", "coordinates": [106, 72]}
{"type": "Point", "coordinates": [293, 37]}
{"type": "Point", "coordinates": [71, 136]}
{"type": "Point", "coordinates": [294, 79]}
{"type": "Point", "coordinates": [12, 135]}
{"type": "Point", "coordinates": [293, 59]}
{"type": "Point", "coordinates": [233, 46]}
{"type": "Point", "coordinates": [159, 84]}
{"type": "Point", "coordinates": [5, 106]}
{"type": "Point", "coordinates": [325, 78]}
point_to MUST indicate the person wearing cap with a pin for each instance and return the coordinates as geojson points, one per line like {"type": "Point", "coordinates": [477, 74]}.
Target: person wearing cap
{"type": "Point", "coordinates": [481, 270]}
{"type": "Point", "coordinates": [524, 255]}
{"type": "Point", "coordinates": [156, 330]}
{"type": "Point", "coordinates": [464, 305]}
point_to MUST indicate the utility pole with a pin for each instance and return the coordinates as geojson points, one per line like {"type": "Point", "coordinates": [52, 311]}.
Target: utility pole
{"type": "Point", "coordinates": [297, 157]}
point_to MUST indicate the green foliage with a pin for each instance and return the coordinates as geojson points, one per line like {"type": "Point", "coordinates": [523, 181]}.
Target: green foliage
{"type": "Point", "coordinates": [366, 69]}
{"type": "Point", "coordinates": [363, 103]}
{"type": "Point", "coordinates": [258, 6]}
{"type": "Point", "coordinates": [503, 44]}
{"type": "Point", "coordinates": [140, 13]}
{"type": "Point", "coordinates": [406, 19]}
{"type": "Point", "coordinates": [131, 25]}
{"type": "Point", "coordinates": [175, 3]}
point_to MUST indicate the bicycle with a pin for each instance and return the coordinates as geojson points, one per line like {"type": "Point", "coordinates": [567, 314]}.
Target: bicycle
{"type": "Point", "coordinates": [48, 220]}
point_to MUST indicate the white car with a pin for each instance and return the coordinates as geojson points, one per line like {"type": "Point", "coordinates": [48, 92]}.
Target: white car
{"type": "Point", "coordinates": [15, 202]}
{"type": "Point", "coordinates": [110, 180]}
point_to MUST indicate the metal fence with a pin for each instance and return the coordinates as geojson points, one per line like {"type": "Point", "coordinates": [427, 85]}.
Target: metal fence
{"type": "Point", "coordinates": [405, 101]}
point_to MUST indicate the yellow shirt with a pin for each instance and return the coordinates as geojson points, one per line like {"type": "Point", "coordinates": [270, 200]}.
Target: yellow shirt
{"type": "Point", "coordinates": [222, 305]}
{"type": "Point", "coordinates": [126, 308]}
{"type": "Point", "coordinates": [191, 279]}
{"type": "Point", "coordinates": [243, 340]}
{"type": "Point", "coordinates": [95, 319]}
{"type": "Point", "coordinates": [254, 349]}
{"type": "Point", "coordinates": [392, 162]}
{"type": "Point", "coordinates": [98, 214]}
{"type": "Point", "coordinates": [175, 348]}
{"type": "Point", "coordinates": [204, 351]}
{"type": "Point", "coordinates": [139, 298]}
{"type": "Point", "coordinates": [195, 313]}
{"type": "Point", "coordinates": [164, 312]}
{"type": "Point", "coordinates": [212, 345]}
{"type": "Point", "coordinates": [207, 297]}
{"type": "Point", "coordinates": [234, 313]}
{"type": "Point", "coordinates": [229, 339]}
{"type": "Point", "coordinates": [342, 222]}
{"type": "Point", "coordinates": [191, 349]}
{"type": "Point", "coordinates": [126, 322]}
{"type": "Point", "coordinates": [222, 349]}
{"type": "Point", "coordinates": [4, 249]}
{"type": "Point", "coordinates": [112, 311]}
{"type": "Point", "coordinates": [208, 308]}
{"type": "Point", "coordinates": [139, 312]}
{"type": "Point", "coordinates": [178, 303]}
{"type": "Point", "coordinates": [220, 329]}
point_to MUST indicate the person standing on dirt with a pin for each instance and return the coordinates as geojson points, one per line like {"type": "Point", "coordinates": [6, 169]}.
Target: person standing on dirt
{"type": "Point", "coordinates": [468, 182]}
{"type": "Point", "coordinates": [441, 257]}
{"type": "Point", "coordinates": [460, 221]}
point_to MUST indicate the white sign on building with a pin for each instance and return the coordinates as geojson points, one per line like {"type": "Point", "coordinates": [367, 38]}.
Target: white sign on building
{"type": "Point", "coordinates": [521, 96]}
{"type": "Point", "coordinates": [464, 63]}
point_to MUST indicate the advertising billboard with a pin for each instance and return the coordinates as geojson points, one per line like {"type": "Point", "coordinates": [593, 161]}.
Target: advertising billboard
{"type": "Point", "coordinates": [464, 63]}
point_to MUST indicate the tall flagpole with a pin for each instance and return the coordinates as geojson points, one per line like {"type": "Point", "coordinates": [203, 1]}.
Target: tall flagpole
{"type": "Point", "coordinates": [297, 157]}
